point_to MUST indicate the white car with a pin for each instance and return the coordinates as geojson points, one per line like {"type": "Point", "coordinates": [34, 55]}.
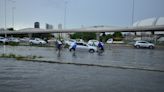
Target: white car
{"type": "Point", "coordinates": [37, 41]}
{"type": "Point", "coordinates": [93, 42]}
{"type": "Point", "coordinates": [84, 47]}
{"type": "Point", "coordinates": [109, 40]}
{"type": "Point", "coordinates": [3, 40]}
{"type": "Point", "coordinates": [144, 44]}
{"type": "Point", "coordinates": [12, 39]}
{"type": "Point", "coordinates": [70, 41]}
{"type": "Point", "coordinates": [25, 39]}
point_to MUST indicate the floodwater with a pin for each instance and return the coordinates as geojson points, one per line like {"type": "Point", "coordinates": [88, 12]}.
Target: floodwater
{"type": "Point", "coordinates": [24, 76]}
{"type": "Point", "coordinates": [115, 56]}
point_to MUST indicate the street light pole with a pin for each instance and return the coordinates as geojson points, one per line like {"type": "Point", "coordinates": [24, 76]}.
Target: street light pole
{"type": "Point", "coordinates": [133, 13]}
{"type": "Point", "coordinates": [133, 16]}
{"type": "Point", "coordinates": [65, 16]}
{"type": "Point", "coordinates": [4, 50]}
{"type": "Point", "coordinates": [13, 8]}
{"type": "Point", "coordinates": [5, 17]}
{"type": "Point", "coordinates": [65, 12]}
{"type": "Point", "coordinates": [4, 47]}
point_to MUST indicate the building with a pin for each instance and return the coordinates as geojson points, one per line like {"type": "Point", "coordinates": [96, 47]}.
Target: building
{"type": "Point", "coordinates": [149, 22]}
{"type": "Point", "coordinates": [49, 26]}
{"type": "Point", "coordinates": [36, 25]}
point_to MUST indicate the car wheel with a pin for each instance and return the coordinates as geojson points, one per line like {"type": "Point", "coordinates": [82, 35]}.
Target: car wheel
{"type": "Point", "coordinates": [91, 50]}
{"type": "Point", "coordinates": [151, 47]}
{"type": "Point", "coordinates": [40, 43]}
{"type": "Point", "coordinates": [137, 46]}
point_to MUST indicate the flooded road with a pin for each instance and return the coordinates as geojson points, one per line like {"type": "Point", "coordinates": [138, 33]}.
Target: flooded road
{"type": "Point", "coordinates": [115, 56]}
{"type": "Point", "coordinates": [24, 76]}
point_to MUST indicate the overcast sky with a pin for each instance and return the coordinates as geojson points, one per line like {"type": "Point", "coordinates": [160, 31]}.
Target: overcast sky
{"type": "Point", "coordinates": [79, 12]}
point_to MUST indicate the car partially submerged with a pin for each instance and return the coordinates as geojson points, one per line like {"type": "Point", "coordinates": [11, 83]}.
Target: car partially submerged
{"type": "Point", "coordinates": [84, 47]}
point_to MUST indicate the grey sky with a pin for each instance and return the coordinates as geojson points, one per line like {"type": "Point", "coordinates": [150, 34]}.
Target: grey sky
{"type": "Point", "coordinates": [79, 12]}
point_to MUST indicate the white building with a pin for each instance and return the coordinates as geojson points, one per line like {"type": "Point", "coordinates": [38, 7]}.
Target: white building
{"type": "Point", "coordinates": [150, 22]}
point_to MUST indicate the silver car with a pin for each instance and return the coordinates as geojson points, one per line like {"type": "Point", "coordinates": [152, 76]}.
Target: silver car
{"type": "Point", "coordinates": [144, 44]}
{"type": "Point", "coordinates": [84, 47]}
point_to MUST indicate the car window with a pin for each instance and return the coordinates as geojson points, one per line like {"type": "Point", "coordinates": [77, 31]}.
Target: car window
{"type": "Point", "coordinates": [141, 42]}
{"type": "Point", "coordinates": [79, 43]}
{"type": "Point", "coordinates": [84, 45]}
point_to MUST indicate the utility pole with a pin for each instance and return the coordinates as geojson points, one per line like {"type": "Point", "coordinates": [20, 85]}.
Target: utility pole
{"type": "Point", "coordinates": [133, 13]}
{"type": "Point", "coordinates": [4, 47]}
{"type": "Point", "coordinates": [65, 13]}
{"type": "Point", "coordinates": [133, 16]}
{"type": "Point", "coordinates": [13, 8]}
{"type": "Point", "coordinates": [5, 17]}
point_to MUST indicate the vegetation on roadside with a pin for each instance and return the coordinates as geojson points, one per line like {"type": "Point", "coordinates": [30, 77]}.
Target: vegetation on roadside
{"type": "Point", "coordinates": [117, 36]}
{"type": "Point", "coordinates": [19, 57]}
{"type": "Point", "coordinates": [10, 43]}
{"type": "Point", "coordinates": [83, 35]}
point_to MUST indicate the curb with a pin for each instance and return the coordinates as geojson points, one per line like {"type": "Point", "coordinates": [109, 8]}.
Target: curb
{"type": "Point", "coordinates": [96, 65]}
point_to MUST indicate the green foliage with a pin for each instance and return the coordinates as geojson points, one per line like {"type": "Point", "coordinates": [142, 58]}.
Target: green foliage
{"type": "Point", "coordinates": [48, 35]}
{"type": "Point", "coordinates": [104, 38]}
{"type": "Point", "coordinates": [117, 36]}
{"type": "Point", "coordinates": [10, 29]}
{"type": "Point", "coordinates": [13, 43]}
{"type": "Point", "coordinates": [84, 35]}
{"type": "Point", "coordinates": [18, 57]}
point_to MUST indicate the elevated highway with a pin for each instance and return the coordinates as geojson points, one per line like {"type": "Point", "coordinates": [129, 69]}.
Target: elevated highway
{"type": "Point", "coordinates": [112, 29]}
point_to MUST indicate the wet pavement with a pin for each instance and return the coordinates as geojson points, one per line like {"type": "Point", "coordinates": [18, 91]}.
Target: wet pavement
{"type": "Point", "coordinates": [114, 56]}
{"type": "Point", "coordinates": [23, 76]}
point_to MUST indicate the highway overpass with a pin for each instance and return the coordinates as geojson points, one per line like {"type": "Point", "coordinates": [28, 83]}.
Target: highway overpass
{"type": "Point", "coordinates": [112, 29]}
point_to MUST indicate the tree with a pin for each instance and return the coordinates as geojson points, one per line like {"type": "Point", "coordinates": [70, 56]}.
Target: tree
{"type": "Point", "coordinates": [10, 29]}
{"type": "Point", "coordinates": [83, 35]}
{"type": "Point", "coordinates": [104, 38]}
{"type": "Point", "coordinates": [117, 36]}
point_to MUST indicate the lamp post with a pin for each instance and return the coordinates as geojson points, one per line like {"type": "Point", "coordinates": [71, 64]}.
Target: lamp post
{"type": "Point", "coordinates": [5, 17]}
{"type": "Point", "coordinates": [132, 12]}
{"type": "Point", "coordinates": [4, 47]}
{"type": "Point", "coordinates": [5, 7]}
{"type": "Point", "coordinates": [65, 17]}
{"type": "Point", "coordinates": [65, 12]}
{"type": "Point", "coordinates": [133, 16]}
{"type": "Point", "coordinates": [13, 8]}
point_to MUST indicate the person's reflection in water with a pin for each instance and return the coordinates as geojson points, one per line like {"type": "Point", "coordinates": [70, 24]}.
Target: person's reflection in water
{"type": "Point", "coordinates": [58, 54]}
{"type": "Point", "coordinates": [74, 54]}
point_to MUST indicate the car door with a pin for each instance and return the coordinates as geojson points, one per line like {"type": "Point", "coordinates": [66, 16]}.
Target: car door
{"type": "Point", "coordinates": [85, 47]}
{"type": "Point", "coordinates": [143, 44]}
{"type": "Point", "coordinates": [81, 47]}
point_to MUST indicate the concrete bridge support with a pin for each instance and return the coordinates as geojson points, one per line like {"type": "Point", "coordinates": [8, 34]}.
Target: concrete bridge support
{"type": "Point", "coordinates": [98, 35]}
{"type": "Point", "coordinates": [30, 35]}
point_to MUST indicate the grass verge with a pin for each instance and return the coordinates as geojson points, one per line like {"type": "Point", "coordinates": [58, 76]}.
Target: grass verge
{"type": "Point", "coordinates": [19, 57]}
